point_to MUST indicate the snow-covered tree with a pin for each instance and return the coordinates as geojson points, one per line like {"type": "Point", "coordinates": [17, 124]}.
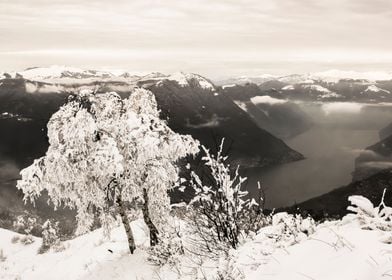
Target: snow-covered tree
{"type": "Point", "coordinates": [106, 153]}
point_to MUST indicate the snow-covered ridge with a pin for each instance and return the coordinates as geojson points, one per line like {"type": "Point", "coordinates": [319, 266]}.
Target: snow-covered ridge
{"type": "Point", "coordinates": [376, 89]}
{"type": "Point", "coordinates": [288, 87]}
{"type": "Point", "coordinates": [317, 88]}
{"type": "Point", "coordinates": [329, 76]}
{"type": "Point", "coordinates": [356, 247]}
{"type": "Point", "coordinates": [68, 75]}
{"type": "Point", "coordinates": [55, 72]}
{"type": "Point", "coordinates": [185, 79]}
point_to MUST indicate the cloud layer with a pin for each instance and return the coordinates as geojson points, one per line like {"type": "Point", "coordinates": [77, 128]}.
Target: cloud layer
{"type": "Point", "coordinates": [249, 35]}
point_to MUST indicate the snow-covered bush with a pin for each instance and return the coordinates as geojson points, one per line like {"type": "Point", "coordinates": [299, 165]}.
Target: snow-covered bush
{"type": "Point", "coordinates": [219, 204]}
{"type": "Point", "coordinates": [368, 215]}
{"type": "Point", "coordinates": [50, 238]}
{"type": "Point", "coordinates": [169, 249]}
{"type": "Point", "coordinates": [228, 270]}
{"type": "Point", "coordinates": [105, 153]}
{"type": "Point", "coordinates": [252, 218]}
{"type": "Point", "coordinates": [25, 224]}
{"type": "Point", "coordinates": [15, 239]}
{"type": "Point", "coordinates": [291, 229]}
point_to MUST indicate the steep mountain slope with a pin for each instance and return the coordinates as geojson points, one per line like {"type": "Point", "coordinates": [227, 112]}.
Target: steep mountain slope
{"type": "Point", "coordinates": [281, 117]}
{"type": "Point", "coordinates": [385, 132]}
{"type": "Point", "coordinates": [199, 110]}
{"type": "Point", "coordinates": [334, 203]}
{"type": "Point", "coordinates": [373, 159]}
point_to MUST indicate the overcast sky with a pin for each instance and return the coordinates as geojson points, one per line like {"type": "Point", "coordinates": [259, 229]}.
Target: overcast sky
{"type": "Point", "coordinates": [211, 37]}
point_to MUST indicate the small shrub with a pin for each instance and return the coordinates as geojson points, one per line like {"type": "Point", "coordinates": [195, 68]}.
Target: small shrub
{"type": "Point", "coordinates": [368, 215]}
{"type": "Point", "coordinates": [15, 239]}
{"type": "Point", "coordinates": [291, 229]}
{"type": "Point", "coordinates": [27, 240]}
{"type": "Point", "coordinates": [50, 237]}
{"type": "Point", "coordinates": [3, 258]}
{"type": "Point", "coordinates": [169, 248]}
{"type": "Point", "coordinates": [25, 223]}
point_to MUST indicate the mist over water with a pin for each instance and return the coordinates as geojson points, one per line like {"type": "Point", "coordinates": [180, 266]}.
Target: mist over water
{"type": "Point", "coordinates": [339, 133]}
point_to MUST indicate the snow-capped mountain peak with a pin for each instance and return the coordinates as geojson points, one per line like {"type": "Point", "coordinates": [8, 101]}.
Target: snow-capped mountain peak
{"type": "Point", "coordinates": [375, 89]}
{"type": "Point", "coordinates": [317, 88]}
{"type": "Point", "coordinates": [57, 73]}
{"type": "Point", "coordinates": [186, 79]}
{"type": "Point", "coordinates": [41, 73]}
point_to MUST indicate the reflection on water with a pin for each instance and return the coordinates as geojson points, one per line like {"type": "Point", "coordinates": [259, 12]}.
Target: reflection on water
{"type": "Point", "coordinates": [330, 148]}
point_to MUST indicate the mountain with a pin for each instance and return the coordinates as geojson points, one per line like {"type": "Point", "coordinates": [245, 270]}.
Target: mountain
{"type": "Point", "coordinates": [334, 203]}
{"type": "Point", "coordinates": [332, 85]}
{"type": "Point", "coordinates": [373, 159]}
{"type": "Point", "coordinates": [193, 105]}
{"type": "Point", "coordinates": [386, 131]}
{"type": "Point", "coordinates": [281, 117]}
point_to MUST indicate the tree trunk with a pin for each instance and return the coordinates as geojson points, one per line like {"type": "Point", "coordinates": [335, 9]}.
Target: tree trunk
{"type": "Point", "coordinates": [127, 226]}
{"type": "Point", "coordinates": [147, 220]}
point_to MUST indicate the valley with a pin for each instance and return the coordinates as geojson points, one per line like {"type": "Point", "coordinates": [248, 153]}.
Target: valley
{"type": "Point", "coordinates": [300, 135]}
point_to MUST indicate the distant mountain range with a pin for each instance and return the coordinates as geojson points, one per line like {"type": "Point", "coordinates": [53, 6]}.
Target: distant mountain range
{"type": "Point", "coordinates": [323, 86]}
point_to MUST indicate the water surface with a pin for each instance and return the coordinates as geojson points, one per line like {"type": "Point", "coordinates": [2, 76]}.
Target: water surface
{"type": "Point", "coordinates": [330, 148]}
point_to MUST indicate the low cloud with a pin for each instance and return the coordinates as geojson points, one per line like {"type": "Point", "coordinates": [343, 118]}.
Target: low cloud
{"type": "Point", "coordinates": [377, 164]}
{"type": "Point", "coordinates": [213, 122]}
{"type": "Point", "coordinates": [342, 107]}
{"type": "Point", "coordinates": [267, 100]}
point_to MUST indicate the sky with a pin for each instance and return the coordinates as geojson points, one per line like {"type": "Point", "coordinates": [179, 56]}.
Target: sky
{"type": "Point", "coordinates": [217, 38]}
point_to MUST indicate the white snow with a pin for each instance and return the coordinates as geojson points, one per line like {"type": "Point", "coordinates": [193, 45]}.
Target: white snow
{"type": "Point", "coordinates": [356, 247]}
{"type": "Point", "coordinates": [179, 77]}
{"type": "Point", "coordinates": [295, 79]}
{"type": "Point", "coordinates": [241, 104]}
{"type": "Point", "coordinates": [85, 257]}
{"type": "Point", "coordinates": [308, 81]}
{"type": "Point", "coordinates": [41, 73]}
{"type": "Point", "coordinates": [183, 79]}
{"type": "Point", "coordinates": [288, 87]}
{"type": "Point", "coordinates": [267, 100]}
{"type": "Point", "coordinates": [330, 95]}
{"type": "Point", "coordinates": [374, 88]}
{"type": "Point", "coordinates": [70, 75]}
{"type": "Point", "coordinates": [228, 86]}
{"type": "Point", "coordinates": [317, 88]}
{"type": "Point", "coordinates": [337, 250]}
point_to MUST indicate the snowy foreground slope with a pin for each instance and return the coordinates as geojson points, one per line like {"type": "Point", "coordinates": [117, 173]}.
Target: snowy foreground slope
{"type": "Point", "coordinates": [353, 248]}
